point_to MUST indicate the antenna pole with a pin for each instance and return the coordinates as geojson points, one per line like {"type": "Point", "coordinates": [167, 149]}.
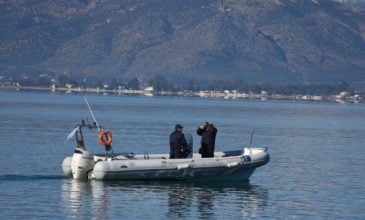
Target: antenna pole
{"type": "Point", "coordinates": [92, 114]}
{"type": "Point", "coordinates": [253, 131]}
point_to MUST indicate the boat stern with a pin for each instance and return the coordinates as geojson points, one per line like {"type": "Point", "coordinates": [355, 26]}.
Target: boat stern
{"type": "Point", "coordinates": [66, 166]}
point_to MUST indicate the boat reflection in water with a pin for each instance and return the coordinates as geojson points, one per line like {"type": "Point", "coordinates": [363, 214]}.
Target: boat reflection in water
{"type": "Point", "coordinates": [85, 199]}
{"type": "Point", "coordinates": [166, 199]}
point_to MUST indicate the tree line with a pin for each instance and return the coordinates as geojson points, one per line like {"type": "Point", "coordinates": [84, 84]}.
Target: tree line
{"type": "Point", "coordinates": [160, 84]}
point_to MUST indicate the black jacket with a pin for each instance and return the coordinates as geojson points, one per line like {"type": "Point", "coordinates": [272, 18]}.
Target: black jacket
{"type": "Point", "coordinates": [208, 140]}
{"type": "Point", "coordinates": [178, 145]}
{"type": "Point", "coordinates": [208, 135]}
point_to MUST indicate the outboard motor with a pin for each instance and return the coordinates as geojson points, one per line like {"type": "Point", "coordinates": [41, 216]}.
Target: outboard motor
{"type": "Point", "coordinates": [82, 163]}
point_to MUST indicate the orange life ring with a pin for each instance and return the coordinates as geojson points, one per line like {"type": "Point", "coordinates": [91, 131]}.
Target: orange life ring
{"type": "Point", "coordinates": [105, 138]}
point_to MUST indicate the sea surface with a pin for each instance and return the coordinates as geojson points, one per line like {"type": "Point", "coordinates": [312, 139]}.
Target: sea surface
{"type": "Point", "coordinates": [316, 171]}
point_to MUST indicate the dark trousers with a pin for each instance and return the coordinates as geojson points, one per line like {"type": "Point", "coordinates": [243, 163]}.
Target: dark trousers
{"type": "Point", "coordinates": [175, 152]}
{"type": "Point", "coordinates": [206, 151]}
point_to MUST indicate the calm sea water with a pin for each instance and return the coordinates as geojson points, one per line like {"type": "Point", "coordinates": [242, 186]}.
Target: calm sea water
{"type": "Point", "coordinates": [317, 167]}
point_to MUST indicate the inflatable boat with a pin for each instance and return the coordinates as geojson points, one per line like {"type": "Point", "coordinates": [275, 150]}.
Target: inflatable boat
{"type": "Point", "coordinates": [235, 165]}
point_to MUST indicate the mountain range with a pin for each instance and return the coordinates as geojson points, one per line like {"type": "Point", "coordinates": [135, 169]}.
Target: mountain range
{"type": "Point", "coordinates": [276, 41]}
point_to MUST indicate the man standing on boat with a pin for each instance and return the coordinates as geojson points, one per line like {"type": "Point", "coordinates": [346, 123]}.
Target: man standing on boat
{"type": "Point", "coordinates": [208, 133]}
{"type": "Point", "coordinates": [178, 144]}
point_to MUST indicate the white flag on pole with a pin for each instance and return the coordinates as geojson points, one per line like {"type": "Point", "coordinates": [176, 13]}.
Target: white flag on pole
{"type": "Point", "coordinates": [72, 133]}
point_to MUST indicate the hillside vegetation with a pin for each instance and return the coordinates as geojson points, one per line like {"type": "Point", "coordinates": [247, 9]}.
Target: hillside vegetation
{"type": "Point", "coordinates": [276, 41]}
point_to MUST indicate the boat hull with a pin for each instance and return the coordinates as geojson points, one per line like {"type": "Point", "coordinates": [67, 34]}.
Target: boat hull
{"type": "Point", "coordinates": [225, 166]}
{"type": "Point", "coordinates": [190, 174]}
{"type": "Point", "coordinates": [193, 169]}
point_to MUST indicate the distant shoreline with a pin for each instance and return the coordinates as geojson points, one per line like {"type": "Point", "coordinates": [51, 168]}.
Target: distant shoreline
{"type": "Point", "coordinates": [342, 97]}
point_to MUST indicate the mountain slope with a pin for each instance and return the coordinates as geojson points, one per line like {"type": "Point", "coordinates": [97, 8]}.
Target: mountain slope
{"type": "Point", "coordinates": [275, 41]}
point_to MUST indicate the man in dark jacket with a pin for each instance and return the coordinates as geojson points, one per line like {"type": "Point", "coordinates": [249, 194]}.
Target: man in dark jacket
{"type": "Point", "coordinates": [178, 144]}
{"type": "Point", "coordinates": [208, 133]}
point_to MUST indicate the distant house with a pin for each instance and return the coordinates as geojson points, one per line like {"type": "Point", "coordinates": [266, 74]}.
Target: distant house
{"type": "Point", "coordinates": [148, 89]}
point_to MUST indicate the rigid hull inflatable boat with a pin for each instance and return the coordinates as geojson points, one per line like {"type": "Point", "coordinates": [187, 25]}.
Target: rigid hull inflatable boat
{"type": "Point", "coordinates": [234, 165]}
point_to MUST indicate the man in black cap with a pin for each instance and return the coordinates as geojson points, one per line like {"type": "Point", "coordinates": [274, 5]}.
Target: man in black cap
{"type": "Point", "coordinates": [178, 144]}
